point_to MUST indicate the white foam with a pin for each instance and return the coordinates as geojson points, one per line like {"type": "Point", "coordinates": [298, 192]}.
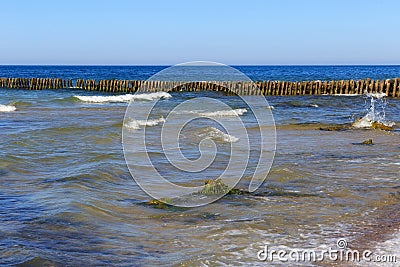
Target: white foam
{"type": "Point", "coordinates": [123, 98]}
{"type": "Point", "coordinates": [137, 124]}
{"type": "Point", "coordinates": [375, 95]}
{"type": "Point", "coordinates": [364, 122]}
{"type": "Point", "coordinates": [216, 134]}
{"type": "Point", "coordinates": [344, 94]}
{"type": "Point", "coordinates": [7, 108]}
{"type": "Point", "coordinates": [367, 121]}
{"type": "Point", "coordinates": [384, 249]}
{"type": "Point", "coordinates": [375, 112]}
{"type": "Point", "coordinates": [152, 96]}
{"type": "Point", "coordinates": [224, 113]}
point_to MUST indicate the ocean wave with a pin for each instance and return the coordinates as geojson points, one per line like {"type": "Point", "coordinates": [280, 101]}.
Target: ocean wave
{"type": "Point", "coordinates": [342, 94]}
{"type": "Point", "coordinates": [123, 98]}
{"type": "Point", "coordinates": [152, 96]}
{"type": "Point", "coordinates": [216, 134]}
{"type": "Point", "coordinates": [21, 104]}
{"type": "Point", "coordinates": [376, 112]}
{"type": "Point", "coordinates": [7, 108]}
{"type": "Point", "coordinates": [223, 113]}
{"type": "Point", "coordinates": [137, 124]}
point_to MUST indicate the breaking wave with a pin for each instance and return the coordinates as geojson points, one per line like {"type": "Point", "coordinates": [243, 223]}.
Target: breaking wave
{"type": "Point", "coordinates": [137, 124]}
{"type": "Point", "coordinates": [223, 113]}
{"type": "Point", "coordinates": [7, 108]}
{"type": "Point", "coordinates": [375, 112]}
{"type": "Point", "coordinates": [343, 94]}
{"type": "Point", "coordinates": [216, 134]}
{"type": "Point", "coordinates": [123, 98]}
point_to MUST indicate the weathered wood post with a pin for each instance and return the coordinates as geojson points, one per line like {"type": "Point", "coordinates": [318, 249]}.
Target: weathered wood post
{"type": "Point", "coordinates": [395, 84]}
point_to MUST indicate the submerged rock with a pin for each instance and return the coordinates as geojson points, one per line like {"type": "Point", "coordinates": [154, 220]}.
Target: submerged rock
{"type": "Point", "coordinates": [163, 203]}
{"type": "Point", "coordinates": [381, 126]}
{"type": "Point", "coordinates": [214, 187]}
{"type": "Point", "coordinates": [217, 187]}
{"type": "Point", "coordinates": [367, 142]}
{"type": "Point", "coordinates": [235, 191]}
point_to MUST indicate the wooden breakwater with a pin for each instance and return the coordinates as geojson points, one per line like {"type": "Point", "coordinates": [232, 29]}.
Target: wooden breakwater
{"type": "Point", "coordinates": [390, 87]}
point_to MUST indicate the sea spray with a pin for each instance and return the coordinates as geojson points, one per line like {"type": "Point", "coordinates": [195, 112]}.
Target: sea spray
{"type": "Point", "coordinates": [376, 112]}
{"type": "Point", "coordinates": [7, 108]}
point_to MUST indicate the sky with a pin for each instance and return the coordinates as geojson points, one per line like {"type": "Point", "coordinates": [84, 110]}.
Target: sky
{"type": "Point", "coordinates": [156, 32]}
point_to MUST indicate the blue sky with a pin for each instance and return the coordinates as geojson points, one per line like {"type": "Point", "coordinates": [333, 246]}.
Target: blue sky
{"type": "Point", "coordinates": [282, 32]}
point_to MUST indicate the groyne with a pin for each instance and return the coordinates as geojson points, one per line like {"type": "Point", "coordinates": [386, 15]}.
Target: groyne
{"type": "Point", "coordinates": [391, 87]}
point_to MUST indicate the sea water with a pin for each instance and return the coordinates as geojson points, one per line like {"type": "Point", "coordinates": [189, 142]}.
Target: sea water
{"type": "Point", "coordinates": [67, 197]}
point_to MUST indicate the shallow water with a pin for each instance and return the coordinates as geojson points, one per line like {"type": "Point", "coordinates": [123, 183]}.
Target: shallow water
{"type": "Point", "coordinates": [66, 195]}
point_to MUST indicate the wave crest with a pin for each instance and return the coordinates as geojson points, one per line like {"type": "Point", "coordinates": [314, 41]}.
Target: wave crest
{"type": "Point", "coordinates": [376, 95]}
{"type": "Point", "coordinates": [7, 108]}
{"type": "Point", "coordinates": [216, 134]}
{"type": "Point", "coordinates": [123, 98]}
{"type": "Point", "coordinates": [137, 124]}
{"type": "Point", "coordinates": [224, 113]}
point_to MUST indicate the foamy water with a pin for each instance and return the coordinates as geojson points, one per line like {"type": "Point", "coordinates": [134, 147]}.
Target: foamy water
{"type": "Point", "coordinates": [385, 250]}
{"type": "Point", "coordinates": [137, 124]}
{"type": "Point", "coordinates": [123, 98]}
{"type": "Point", "coordinates": [376, 111]}
{"type": "Point", "coordinates": [216, 134]}
{"type": "Point", "coordinates": [223, 113]}
{"type": "Point", "coordinates": [344, 94]}
{"type": "Point", "coordinates": [7, 108]}
{"type": "Point", "coordinates": [376, 95]}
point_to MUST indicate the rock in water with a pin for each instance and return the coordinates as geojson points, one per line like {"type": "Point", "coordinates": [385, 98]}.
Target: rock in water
{"type": "Point", "coordinates": [217, 187]}
{"type": "Point", "coordinates": [367, 142]}
{"type": "Point", "coordinates": [163, 203]}
{"type": "Point", "coordinates": [381, 126]}
{"type": "Point", "coordinates": [214, 187]}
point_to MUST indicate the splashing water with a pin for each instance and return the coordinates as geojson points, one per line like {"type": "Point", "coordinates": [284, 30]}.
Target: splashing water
{"type": "Point", "coordinates": [7, 108]}
{"type": "Point", "coordinates": [376, 111]}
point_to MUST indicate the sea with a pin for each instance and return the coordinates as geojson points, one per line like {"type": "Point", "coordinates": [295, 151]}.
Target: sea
{"type": "Point", "coordinates": [68, 198]}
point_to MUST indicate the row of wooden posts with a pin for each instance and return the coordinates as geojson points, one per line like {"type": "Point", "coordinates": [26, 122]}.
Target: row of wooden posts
{"type": "Point", "coordinates": [390, 87]}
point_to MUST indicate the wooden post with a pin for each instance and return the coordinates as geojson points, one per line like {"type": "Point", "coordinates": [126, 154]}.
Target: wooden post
{"type": "Point", "coordinates": [352, 86]}
{"type": "Point", "coordinates": [387, 85]}
{"type": "Point", "coordinates": [397, 88]}
{"type": "Point", "coordinates": [382, 86]}
{"type": "Point", "coordinates": [319, 87]}
{"type": "Point", "coordinates": [395, 84]}
{"type": "Point", "coordinates": [371, 86]}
